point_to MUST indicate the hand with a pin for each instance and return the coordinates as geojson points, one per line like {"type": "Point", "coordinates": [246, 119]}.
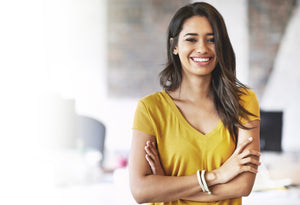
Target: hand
{"type": "Point", "coordinates": [152, 158]}
{"type": "Point", "coordinates": [240, 161]}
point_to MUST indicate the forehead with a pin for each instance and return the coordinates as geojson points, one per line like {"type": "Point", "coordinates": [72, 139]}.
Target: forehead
{"type": "Point", "coordinates": [196, 24]}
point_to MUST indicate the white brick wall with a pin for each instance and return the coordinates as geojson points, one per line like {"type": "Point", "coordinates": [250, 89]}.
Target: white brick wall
{"type": "Point", "coordinates": [283, 89]}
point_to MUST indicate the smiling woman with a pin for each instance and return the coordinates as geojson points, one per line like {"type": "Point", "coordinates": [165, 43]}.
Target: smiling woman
{"type": "Point", "coordinates": [196, 141]}
{"type": "Point", "coordinates": [196, 49]}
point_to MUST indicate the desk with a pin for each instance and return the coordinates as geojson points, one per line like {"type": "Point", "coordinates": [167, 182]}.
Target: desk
{"type": "Point", "coordinates": [273, 185]}
{"type": "Point", "coordinates": [290, 196]}
{"type": "Point", "coordinates": [110, 191]}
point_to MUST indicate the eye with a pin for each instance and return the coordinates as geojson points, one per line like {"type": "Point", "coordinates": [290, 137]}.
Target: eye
{"type": "Point", "coordinates": [191, 40]}
{"type": "Point", "coordinates": [211, 40]}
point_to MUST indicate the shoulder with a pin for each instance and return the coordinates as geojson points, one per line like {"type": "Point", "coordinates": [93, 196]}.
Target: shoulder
{"type": "Point", "coordinates": [249, 101]}
{"type": "Point", "coordinates": [247, 95]}
{"type": "Point", "coordinates": [152, 99]}
{"type": "Point", "coordinates": [156, 104]}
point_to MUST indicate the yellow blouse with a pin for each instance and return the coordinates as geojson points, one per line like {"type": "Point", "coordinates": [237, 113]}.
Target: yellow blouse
{"type": "Point", "coordinates": [183, 149]}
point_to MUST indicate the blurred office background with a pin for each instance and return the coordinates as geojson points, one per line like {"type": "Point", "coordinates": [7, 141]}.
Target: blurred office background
{"type": "Point", "coordinates": [72, 71]}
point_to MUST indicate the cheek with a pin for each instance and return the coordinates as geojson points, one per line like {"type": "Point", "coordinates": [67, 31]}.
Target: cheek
{"type": "Point", "coordinates": [212, 48]}
{"type": "Point", "coordinates": [184, 52]}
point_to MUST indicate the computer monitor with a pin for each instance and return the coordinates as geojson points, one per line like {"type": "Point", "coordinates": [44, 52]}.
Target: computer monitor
{"type": "Point", "coordinates": [271, 130]}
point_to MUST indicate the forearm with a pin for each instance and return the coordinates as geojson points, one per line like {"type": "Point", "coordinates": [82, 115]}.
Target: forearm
{"type": "Point", "coordinates": [238, 187]}
{"type": "Point", "coordinates": [155, 188]}
{"type": "Point", "coordinates": [148, 187]}
{"type": "Point", "coordinates": [241, 184]}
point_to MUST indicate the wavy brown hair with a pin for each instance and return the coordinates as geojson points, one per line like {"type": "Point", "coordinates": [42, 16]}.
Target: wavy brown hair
{"type": "Point", "coordinates": [227, 89]}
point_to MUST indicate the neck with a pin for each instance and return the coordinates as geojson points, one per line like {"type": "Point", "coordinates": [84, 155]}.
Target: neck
{"type": "Point", "coordinates": [194, 89]}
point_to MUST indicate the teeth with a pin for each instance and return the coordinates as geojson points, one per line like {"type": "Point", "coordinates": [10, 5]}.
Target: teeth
{"type": "Point", "coordinates": [201, 59]}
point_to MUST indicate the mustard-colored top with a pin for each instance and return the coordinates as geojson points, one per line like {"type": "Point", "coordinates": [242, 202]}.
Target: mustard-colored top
{"type": "Point", "coordinates": [183, 150]}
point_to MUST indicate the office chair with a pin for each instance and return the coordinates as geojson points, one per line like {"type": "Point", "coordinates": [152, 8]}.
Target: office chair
{"type": "Point", "coordinates": [91, 133]}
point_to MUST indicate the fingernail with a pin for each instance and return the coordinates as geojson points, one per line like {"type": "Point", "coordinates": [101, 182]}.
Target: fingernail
{"type": "Point", "coordinates": [250, 138]}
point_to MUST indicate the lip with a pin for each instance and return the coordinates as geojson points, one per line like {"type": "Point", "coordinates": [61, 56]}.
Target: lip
{"type": "Point", "coordinates": [201, 60]}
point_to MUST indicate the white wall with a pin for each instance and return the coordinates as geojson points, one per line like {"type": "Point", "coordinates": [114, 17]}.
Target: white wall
{"type": "Point", "coordinates": [282, 91]}
{"type": "Point", "coordinates": [76, 61]}
{"type": "Point", "coordinates": [24, 168]}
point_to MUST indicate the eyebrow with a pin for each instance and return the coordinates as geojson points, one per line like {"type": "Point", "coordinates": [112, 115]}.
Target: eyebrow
{"type": "Point", "coordinates": [196, 34]}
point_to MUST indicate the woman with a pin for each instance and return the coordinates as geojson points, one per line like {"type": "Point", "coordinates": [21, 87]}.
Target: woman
{"type": "Point", "coordinates": [196, 141]}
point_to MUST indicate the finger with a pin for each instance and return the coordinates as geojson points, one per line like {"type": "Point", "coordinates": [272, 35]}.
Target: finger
{"type": "Point", "coordinates": [242, 146]}
{"type": "Point", "coordinates": [152, 152]}
{"type": "Point", "coordinates": [149, 160]}
{"type": "Point", "coordinates": [151, 145]}
{"type": "Point", "coordinates": [151, 164]}
{"type": "Point", "coordinates": [154, 149]}
{"type": "Point", "coordinates": [148, 143]}
{"type": "Point", "coordinates": [250, 160]}
{"type": "Point", "coordinates": [149, 152]}
{"type": "Point", "coordinates": [250, 169]}
{"type": "Point", "coordinates": [247, 153]}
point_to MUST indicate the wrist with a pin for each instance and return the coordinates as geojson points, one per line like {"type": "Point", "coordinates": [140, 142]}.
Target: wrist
{"type": "Point", "coordinates": [213, 178]}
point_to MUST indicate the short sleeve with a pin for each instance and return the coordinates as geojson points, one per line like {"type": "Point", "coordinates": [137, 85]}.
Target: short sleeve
{"type": "Point", "coordinates": [250, 103]}
{"type": "Point", "coordinates": [142, 119]}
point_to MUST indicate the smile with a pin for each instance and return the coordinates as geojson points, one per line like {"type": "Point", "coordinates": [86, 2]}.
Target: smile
{"type": "Point", "coordinates": [200, 59]}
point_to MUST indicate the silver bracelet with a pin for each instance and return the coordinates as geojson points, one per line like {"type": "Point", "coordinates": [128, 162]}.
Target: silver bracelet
{"type": "Point", "coordinates": [199, 180]}
{"type": "Point", "coordinates": [204, 182]}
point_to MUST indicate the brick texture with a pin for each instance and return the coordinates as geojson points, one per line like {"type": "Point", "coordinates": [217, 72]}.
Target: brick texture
{"type": "Point", "coordinates": [137, 31]}
{"type": "Point", "coordinates": [267, 23]}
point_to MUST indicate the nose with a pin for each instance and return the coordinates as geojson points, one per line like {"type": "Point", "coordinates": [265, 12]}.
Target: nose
{"type": "Point", "coordinates": [202, 47]}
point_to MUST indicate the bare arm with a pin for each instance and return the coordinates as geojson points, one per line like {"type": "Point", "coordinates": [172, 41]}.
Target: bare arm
{"type": "Point", "coordinates": [242, 184]}
{"type": "Point", "coordinates": [149, 187]}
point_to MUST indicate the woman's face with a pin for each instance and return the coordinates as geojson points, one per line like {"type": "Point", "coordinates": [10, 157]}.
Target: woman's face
{"type": "Point", "coordinates": [196, 47]}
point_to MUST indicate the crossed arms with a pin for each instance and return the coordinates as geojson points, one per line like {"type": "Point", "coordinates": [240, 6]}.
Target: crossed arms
{"type": "Point", "coordinates": [235, 178]}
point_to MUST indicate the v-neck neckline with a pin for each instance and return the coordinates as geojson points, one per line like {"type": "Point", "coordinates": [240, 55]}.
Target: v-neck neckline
{"type": "Point", "coordinates": [184, 120]}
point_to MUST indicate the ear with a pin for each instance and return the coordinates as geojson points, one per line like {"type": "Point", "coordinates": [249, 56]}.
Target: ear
{"type": "Point", "coordinates": [175, 51]}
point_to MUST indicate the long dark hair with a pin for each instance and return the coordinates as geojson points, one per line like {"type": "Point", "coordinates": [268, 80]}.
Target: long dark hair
{"type": "Point", "coordinates": [227, 89]}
